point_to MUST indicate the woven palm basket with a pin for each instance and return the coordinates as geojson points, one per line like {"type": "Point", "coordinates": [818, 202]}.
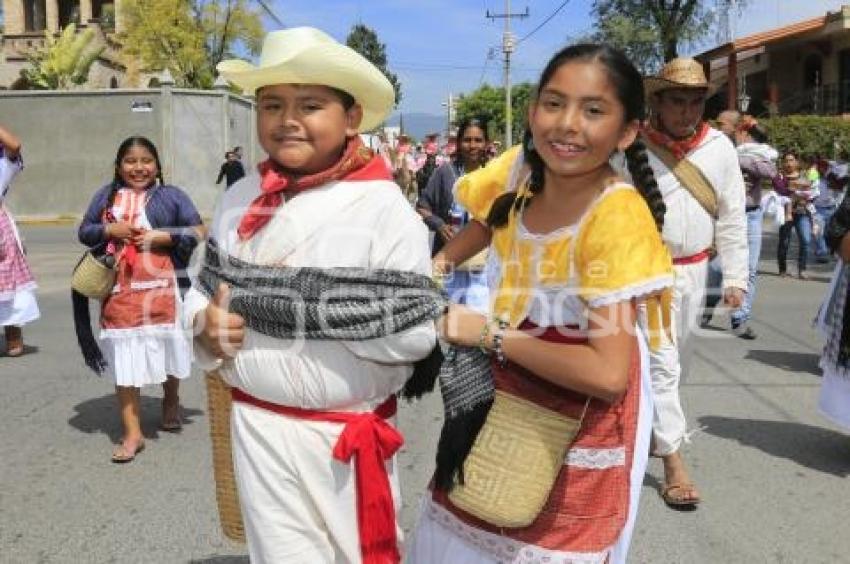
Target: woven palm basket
{"type": "Point", "coordinates": [92, 278]}
{"type": "Point", "coordinates": [220, 403]}
{"type": "Point", "coordinates": [514, 462]}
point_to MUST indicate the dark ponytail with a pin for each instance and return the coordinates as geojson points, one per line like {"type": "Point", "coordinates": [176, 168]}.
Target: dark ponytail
{"type": "Point", "coordinates": [637, 159]}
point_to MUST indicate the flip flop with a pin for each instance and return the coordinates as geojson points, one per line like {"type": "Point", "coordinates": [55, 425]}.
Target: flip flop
{"type": "Point", "coordinates": [121, 454]}
{"type": "Point", "coordinates": [668, 494]}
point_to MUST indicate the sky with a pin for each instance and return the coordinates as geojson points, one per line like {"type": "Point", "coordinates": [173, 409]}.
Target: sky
{"type": "Point", "coordinates": [440, 47]}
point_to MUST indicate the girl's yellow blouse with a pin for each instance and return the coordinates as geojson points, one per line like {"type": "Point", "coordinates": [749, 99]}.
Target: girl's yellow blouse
{"type": "Point", "coordinates": [613, 253]}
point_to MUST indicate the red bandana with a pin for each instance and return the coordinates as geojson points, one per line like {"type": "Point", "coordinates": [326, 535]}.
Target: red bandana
{"type": "Point", "coordinates": [356, 163]}
{"type": "Point", "coordinates": [679, 147]}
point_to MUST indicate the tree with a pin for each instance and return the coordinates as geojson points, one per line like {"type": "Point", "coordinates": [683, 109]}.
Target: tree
{"type": "Point", "coordinates": [651, 31]}
{"type": "Point", "coordinates": [62, 62]}
{"type": "Point", "coordinates": [188, 37]}
{"type": "Point", "coordinates": [488, 103]}
{"type": "Point", "coordinates": [365, 41]}
{"type": "Point", "coordinates": [229, 26]}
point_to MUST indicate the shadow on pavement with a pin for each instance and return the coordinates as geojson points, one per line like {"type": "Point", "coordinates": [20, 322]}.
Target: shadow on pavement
{"type": "Point", "coordinates": [817, 448]}
{"type": "Point", "coordinates": [100, 415]}
{"type": "Point", "coordinates": [787, 360]}
{"type": "Point", "coordinates": [222, 560]}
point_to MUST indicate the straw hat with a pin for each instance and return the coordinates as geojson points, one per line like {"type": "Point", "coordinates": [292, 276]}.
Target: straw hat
{"type": "Point", "coordinates": [679, 73]}
{"type": "Point", "coordinates": [305, 55]}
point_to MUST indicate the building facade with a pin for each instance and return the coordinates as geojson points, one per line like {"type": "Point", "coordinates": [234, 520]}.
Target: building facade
{"type": "Point", "coordinates": [26, 22]}
{"type": "Point", "coordinates": [802, 68]}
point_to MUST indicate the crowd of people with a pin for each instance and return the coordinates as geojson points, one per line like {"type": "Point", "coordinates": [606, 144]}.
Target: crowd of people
{"type": "Point", "coordinates": [554, 301]}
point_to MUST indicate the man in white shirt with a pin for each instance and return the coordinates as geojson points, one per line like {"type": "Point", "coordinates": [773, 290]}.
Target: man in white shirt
{"type": "Point", "coordinates": [705, 201]}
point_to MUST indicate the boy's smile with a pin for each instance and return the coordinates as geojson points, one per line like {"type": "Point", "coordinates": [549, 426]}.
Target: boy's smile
{"type": "Point", "coordinates": [304, 128]}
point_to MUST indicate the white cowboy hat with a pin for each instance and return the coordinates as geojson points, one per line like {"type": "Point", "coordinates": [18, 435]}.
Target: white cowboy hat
{"type": "Point", "coordinates": [679, 73]}
{"type": "Point", "coordinates": [305, 55]}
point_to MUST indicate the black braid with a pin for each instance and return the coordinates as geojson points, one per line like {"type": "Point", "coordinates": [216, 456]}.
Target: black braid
{"type": "Point", "coordinates": [502, 206]}
{"type": "Point", "coordinates": [114, 186]}
{"type": "Point", "coordinates": [637, 160]}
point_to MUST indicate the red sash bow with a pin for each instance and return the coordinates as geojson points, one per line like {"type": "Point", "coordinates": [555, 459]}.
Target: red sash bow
{"type": "Point", "coordinates": [370, 440]}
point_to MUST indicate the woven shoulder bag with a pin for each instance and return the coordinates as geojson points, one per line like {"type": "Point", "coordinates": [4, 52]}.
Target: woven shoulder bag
{"type": "Point", "coordinates": [514, 461]}
{"type": "Point", "coordinates": [94, 275]}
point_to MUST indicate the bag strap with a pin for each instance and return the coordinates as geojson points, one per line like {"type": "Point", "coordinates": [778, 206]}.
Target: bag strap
{"type": "Point", "coordinates": [689, 175]}
{"type": "Point", "coordinates": [584, 412]}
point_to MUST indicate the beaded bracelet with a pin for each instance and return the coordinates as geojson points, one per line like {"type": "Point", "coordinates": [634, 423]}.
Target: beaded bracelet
{"type": "Point", "coordinates": [498, 337]}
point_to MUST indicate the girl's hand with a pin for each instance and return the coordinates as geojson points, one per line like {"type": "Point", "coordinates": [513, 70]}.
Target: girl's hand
{"type": "Point", "coordinates": [461, 325]}
{"type": "Point", "coordinates": [120, 230]}
{"type": "Point", "coordinates": [150, 239]}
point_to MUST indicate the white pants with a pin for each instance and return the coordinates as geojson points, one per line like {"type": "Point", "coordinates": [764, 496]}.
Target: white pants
{"type": "Point", "coordinates": [298, 502]}
{"type": "Point", "coordinates": [668, 425]}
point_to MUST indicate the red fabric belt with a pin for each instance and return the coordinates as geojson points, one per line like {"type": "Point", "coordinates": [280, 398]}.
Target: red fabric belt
{"type": "Point", "coordinates": [693, 259]}
{"type": "Point", "coordinates": [373, 440]}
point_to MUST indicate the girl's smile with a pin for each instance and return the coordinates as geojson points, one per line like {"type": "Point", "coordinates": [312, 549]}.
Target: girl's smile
{"type": "Point", "coordinates": [577, 121]}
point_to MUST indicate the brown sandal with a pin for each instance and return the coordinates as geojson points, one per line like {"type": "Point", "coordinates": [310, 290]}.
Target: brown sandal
{"type": "Point", "coordinates": [675, 495]}
{"type": "Point", "coordinates": [14, 340]}
{"type": "Point", "coordinates": [122, 454]}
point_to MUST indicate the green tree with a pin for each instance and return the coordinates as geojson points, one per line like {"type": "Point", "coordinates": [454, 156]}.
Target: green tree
{"type": "Point", "coordinates": [488, 102]}
{"type": "Point", "coordinates": [651, 31]}
{"type": "Point", "coordinates": [230, 27]}
{"type": "Point", "coordinates": [188, 37]}
{"type": "Point", "coordinates": [63, 61]}
{"type": "Point", "coordinates": [365, 41]}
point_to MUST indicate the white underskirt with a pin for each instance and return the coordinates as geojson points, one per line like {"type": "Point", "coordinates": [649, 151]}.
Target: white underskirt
{"type": "Point", "coordinates": [139, 359]}
{"type": "Point", "coordinates": [834, 402]}
{"type": "Point", "coordinates": [21, 308]}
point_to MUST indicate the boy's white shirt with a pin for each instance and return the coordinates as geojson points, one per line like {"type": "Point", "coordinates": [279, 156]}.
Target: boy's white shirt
{"type": "Point", "coordinates": [366, 224]}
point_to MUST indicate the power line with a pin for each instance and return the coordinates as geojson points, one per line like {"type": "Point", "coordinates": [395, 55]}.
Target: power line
{"type": "Point", "coordinates": [491, 54]}
{"type": "Point", "coordinates": [267, 9]}
{"type": "Point", "coordinates": [552, 15]}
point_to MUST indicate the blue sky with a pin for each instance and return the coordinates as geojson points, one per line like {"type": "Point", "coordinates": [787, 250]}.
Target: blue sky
{"type": "Point", "coordinates": [438, 47]}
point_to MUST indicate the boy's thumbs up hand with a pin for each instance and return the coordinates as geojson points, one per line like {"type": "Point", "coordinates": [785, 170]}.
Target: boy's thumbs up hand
{"type": "Point", "coordinates": [220, 331]}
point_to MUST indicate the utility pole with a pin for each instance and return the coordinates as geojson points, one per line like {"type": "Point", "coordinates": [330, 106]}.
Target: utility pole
{"type": "Point", "coordinates": [450, 113]}
{"type": "Point", "coordinates": [508, 45]}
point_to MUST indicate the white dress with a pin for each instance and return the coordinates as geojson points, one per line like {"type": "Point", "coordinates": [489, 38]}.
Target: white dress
{"type": "Point", "coordinates": [834, 400]}
{"type": "Point", "coordinates": [147, 353]}
{"type": "Point", "coordinates": [441, 537]}
{"type": "Point", "coordinates": [18, 304]}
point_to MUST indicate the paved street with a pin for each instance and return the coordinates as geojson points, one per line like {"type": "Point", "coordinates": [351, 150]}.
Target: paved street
{"type": "Point", "coordinates": [773, 473]}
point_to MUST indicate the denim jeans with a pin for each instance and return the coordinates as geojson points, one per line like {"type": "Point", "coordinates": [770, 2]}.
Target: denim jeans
{"type": "Point", "coordinates": [824, 215]}
{"type": "Point", "coordinates": [802, 223]}
{"type": "Point", "coordinates": [713, 285]}
{"type": "Point", "coordinates": [754, 222]}
{"type": "Point", "coordinates": [714, 279]}
{"type": "Point", "coordinates": [469, 287]}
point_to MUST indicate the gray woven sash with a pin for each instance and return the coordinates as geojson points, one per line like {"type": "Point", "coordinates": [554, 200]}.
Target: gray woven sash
{"type": "Point", "coordinates": [351, 304]}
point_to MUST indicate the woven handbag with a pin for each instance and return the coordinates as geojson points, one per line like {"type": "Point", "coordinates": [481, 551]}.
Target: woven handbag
{"type": "Point", "coordinates": [220, 403]}
{"type": "Point", "coordinates": [94, 276]}
{"type": "Point", "coordinates": [514, 461]}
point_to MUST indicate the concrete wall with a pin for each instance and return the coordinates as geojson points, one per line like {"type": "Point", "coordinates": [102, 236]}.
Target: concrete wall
{"type": "Point", "coordinates": [70, 140]}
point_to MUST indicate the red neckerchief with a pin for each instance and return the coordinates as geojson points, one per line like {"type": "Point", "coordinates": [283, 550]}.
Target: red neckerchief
{"type": "Point", "coordinates": [356, 163]}
{"type": "Point", "coordinates": [679, 147]}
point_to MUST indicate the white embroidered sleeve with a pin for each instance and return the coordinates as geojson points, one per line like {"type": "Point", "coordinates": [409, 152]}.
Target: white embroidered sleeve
{"type": "Point", "coordinates": [730, 232]}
